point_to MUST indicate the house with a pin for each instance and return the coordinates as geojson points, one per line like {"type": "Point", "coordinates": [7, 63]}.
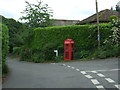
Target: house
{"type": "Point", "coordinates": [60, 22]}
{"type": "Point", "coordinates": [104, 17]}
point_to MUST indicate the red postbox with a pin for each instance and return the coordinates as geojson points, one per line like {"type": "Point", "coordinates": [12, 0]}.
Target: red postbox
{"type": "Point", "coordinates": [68, 49]}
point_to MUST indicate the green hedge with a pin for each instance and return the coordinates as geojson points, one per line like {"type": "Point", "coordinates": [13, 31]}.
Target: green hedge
{"type": "Point", "coordinates": [5, 41]}
{"type": "Point", "coordinates": [85, 36]}
{"type": "Point", "coordinates": [45, 40]}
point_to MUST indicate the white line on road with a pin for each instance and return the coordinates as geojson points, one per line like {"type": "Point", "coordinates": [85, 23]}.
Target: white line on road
{"type": "Point", "coordinates": [117, 86]}
{"type": "Point", "coordinates": [100, 75]}
{"type": "Point", "coordinates": [100, 87]}
{"type": "Point", "coordinates": [68, 66]}
{"type": "Point", "coordinates": [88, 76]}
{"type": "Point", "coordinates": [115, 69]}
{"type": "Point", "coordinates": [73, 67]}
{"type": "Point", "coordinates": [83, 72]}
{"type": "Point", "coordinates": [52, 63]}
{"type": "Point", "coordinates": [95, 81]}
{"type": "Point", "coordinates": [103, 70]}
{"type": "Point", "coordinates": [110, 80]}
{"type": "Point", "coordinates": [93, 71]}
{"type": "Point", "coordinates": [77, 69]}
{"type": "Point", "coordinates": [64, 65]}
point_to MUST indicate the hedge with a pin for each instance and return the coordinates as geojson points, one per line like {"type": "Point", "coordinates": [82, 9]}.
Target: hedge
{"type": "Point", "coordinates": [5, 41]}
{"type": "Point", "coordinates": [45, 40]}
{"type": "Point", "coordinates": [85, 36]}
{"type": "Point", "coordinates": [4, 36]}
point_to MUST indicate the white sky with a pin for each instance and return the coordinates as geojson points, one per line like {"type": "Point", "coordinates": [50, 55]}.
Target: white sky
{"type": "Point", "coordinates": [62, 9]}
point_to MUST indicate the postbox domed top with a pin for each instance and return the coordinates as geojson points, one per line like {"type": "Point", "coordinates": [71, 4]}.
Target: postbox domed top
{"type": "Point", "coordinates": [69, 41]}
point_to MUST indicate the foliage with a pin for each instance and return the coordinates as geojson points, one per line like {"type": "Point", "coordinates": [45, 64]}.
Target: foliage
{"type": "Point", "coordinates": [18, 32]}
{"type": "Point", "coordinates": [37, 15]}
{"type": "Point", "coordinates": [111, 47]}
{"type": "Point", "coordinates": [116, 31]}
{"type": "Point", "coordinates": [17, 50]}
{"type": "Point", "coordinates": [4, 69]}
{"type": "Point", "coordinates": [84, 54]}
{"type": "Point", "coordinates": [113, 18]}
{"type": "Point", "coordinates": [116, 36]}
{"type": "Point", "coordinates": [106, 51]}
{"type": "Point", "coordinates": [15, 32]}
{"type": "Point", "coordinates": [5, 47]}
{"type": "Point", "coordinates": [5, 41]}
{"type": "Point", "coordinates": [59, 58]}
{"type": "Point", "coordinates": [117, 8]}
{"type": "Point", "coordinates": [84, 35]}
{"type": "Point", "coordinates": [46, 40]}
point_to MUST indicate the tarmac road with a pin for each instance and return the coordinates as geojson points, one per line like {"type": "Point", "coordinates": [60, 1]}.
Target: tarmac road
{"type": "Point", "coordinates": [79, 74]}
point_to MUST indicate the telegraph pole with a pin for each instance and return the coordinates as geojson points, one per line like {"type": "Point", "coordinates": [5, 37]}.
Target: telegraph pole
{"type": "Point", "coordinates": [98, 28]}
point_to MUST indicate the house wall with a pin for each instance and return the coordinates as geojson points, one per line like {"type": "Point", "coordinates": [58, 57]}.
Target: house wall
{"type": "Point", "coordinates": [65, 22]}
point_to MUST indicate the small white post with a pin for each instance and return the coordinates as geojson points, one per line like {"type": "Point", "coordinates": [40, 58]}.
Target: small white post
{"type": "Point", "coordinates": [56, 51]}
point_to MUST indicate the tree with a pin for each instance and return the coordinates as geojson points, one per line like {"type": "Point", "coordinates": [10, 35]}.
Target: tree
{"type": "Point", "coordinates": [17, 32]}
{"type": "Point", "coordinates": [37, 15]}
{"type": "Point", "coordinates": [117, 8]}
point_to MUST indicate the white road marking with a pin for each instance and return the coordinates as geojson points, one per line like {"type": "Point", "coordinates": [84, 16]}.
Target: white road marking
{"type": "Point", "coordinates": [64, 65]}
{"type": "Point", "coordinates": [115, 69]}
{"type": "Point", "coordinates": [103, 70]}
{"type": "Point", "coordinates": [73, 67]}
{"type": "Point", "coordinates": [100, 75]}
{"type": "Point", "coordinates": [110, 80]}
{"type": "Point", "coordinates": [68, 66]}
{"type": "Point", "coordinates": [94, 71]}
{"type": "Point", "coordinates": [83, 72]}
{"type": "Point", "coordinates": [52, 63]}
{"type": "Point", "coordinates": [117, 86]}
{"type": "Point", "coordinates": [88, 76]}
{"type": "Point", "coordinates": [95, 81]}
{"type": "Point", "coordinates": [100, 87]}
{"type": "Point", "coordinates": [77, 69]}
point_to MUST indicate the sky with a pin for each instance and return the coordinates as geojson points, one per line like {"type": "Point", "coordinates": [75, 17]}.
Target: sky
{"type": "Point", "coordinates": [62, 9]}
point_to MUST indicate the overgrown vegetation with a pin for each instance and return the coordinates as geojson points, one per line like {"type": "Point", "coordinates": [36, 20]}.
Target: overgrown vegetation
{"type": "Point", "coordinates": [46, 40]}
{"type": "Point", "coordinates": [17, 32]}
{"type": "Point", "coordinates": [111, 46]}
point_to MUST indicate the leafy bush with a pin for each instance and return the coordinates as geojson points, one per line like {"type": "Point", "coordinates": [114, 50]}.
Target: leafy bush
{"type": "Point", "coordinates": [26, 53]}
{"type": "Point", "coordinates": [84, 54]}
{"type": "Point", "coordinates": [113, 18]}
{"type": "Point", "coordinates": [106, 51]}
{"type": "Point", "coordinates": [17, 50]}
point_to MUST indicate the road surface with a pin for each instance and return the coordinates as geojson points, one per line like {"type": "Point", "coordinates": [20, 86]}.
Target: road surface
{"type": "Point", "coordinates": [79, 74]}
